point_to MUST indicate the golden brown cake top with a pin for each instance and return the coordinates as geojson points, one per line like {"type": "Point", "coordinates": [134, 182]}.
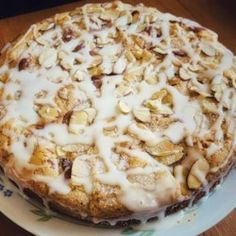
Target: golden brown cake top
{"type": "Point", "coordinates": [120, 95]}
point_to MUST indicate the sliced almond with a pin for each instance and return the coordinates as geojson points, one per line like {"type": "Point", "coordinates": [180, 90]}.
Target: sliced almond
{"type": "Point", "coordinates": [163, 148]}
{"type": "Point", "coordinates": [130, 77]}
{"type": "Point", "coordinates": [209, 106]}
{"type": "Point", "coordinates": [142, 114]}
{"type": "Point", "coordinates": [95, 71]}
{"type": "Point", "coordinates": [198, 173]}
{"type": "Point", "coordinates": [156, 106]}
{"type": "Point", "coordinates": [3, 111]}
{"type": "Point", "coordinates": [110, 131]}
{"type": "Point", "coordinates": [4, 77]}
{"type": "Point", "coordinates": [159, 50]}
{"type": "Point", "coordinates": [208, 49]}
{"type": "Point", "coordinates": [150, 18]}
{"type": "Point", "coordinates": [195, 68]}
{"type": "Point", "coordinates": [181, 173]}
{"type": "Point", "coordinates": [185, 74]}
{"type": "Point", "coordinates": [123, 107]}
{"type": "Point", "coordinates": [148, 71]}
{"type": "Point", "coordinates": [48, 113]}
{"type": "Point", "coordinates": [134, 74]}
{"type": "Point", "coordinates": [193, 182]}
{"type": "Point", "coordinates": [78, 120]}
{"type": "Point", "coordinates": [91, 114]}
{"type": "Point", "coordinates": [97, 60]}
{"type": "Point", "coordinates": [78, 75]}
{"type": "Point", "coordinates": [231, 75]}
{"type": "Point", "coordinates": [130, 56]}
{"type": "Point", "coordinates": [170, 159]}
{"type": "Point", "coordinates": [120, 65]}
{"type": "Point", "coordinates": [124, 89]}
{"type": "Point", "coordinates": [48, 57]}
{"type": "Point", "coordinates": [80, 174]}
{"type": "Point", "coordinates": [166, 152]}
{"type": "Point", "coordinates": [138, 53]}
{"type": "Point", "coordinates": [66, 61]}
{"type": "Point", "coordinates": [147, 56]}
{"type": "Point", "coordinates": [218, 90]}
{"type": "Point", "coordinates": [105, 16]}
{"type": "Point", "coordinates": [79, 117]}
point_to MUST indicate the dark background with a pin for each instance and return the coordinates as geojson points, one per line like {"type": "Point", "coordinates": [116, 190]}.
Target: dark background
{"type": "Point", "coordinates": [16, 7]}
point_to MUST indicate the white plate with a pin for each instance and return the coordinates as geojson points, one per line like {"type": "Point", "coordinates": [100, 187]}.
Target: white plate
{"type": "Point", "coordinates": [191, 221]}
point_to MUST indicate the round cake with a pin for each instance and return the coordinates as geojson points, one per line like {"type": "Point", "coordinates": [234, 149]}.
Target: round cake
{"type": "Point", "coordinates": [116, 114]}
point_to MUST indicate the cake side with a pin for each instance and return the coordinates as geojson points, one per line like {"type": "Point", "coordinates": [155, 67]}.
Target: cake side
{"type": "Point", "coordinates": [113, 110]}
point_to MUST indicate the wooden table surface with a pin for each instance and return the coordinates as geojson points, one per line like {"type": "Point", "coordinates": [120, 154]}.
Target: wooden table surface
{"type": "Point", "coordinates": [217, 15]}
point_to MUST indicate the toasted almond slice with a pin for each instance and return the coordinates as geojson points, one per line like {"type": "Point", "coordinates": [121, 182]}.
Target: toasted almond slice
{"type": "Point", "coordinates": [164, 148]}
{"type": "Point", "coordinates": [130, 56]}
{"type": "Point", "coordinates": [124, 89]}
{"type": "Point", "coordinates": [193, 182]}
{"type": "Point", "coordinates": [123, 107]}
{"type": "Point", "coordinates": [4, 77]}
{"type": "Point", "coordinates": [150, 18]}
{"type": "Point", "coordinates": [160, 94]}
{"type": "Point", "coordinates": [110, 131]}
{"type": "Point", "coordinates": [79, 117]}
{"type": "Point", "coordinates": [78, 120]}
{"type": "Point", "coordinates": [170, 159]}
{"type": "Point", "coordinates": [181, 173]}
{"type": "Point", "coordinates": [156, 106]}
{"type": "Point", "coordinates": [142, 113]}
{"type": "Point", "coordinates": [48, 57]}
{"type": "Point", "coordinates": [96, 61]}
{"type": "Point", "coordinates": [166, 152]}
{"type": "Point", "coordinates": [198, 173]}
{"type": "Point", "coordinates": [80, 174]}
{"type": "Point", "coordinates": [48, 113]}
{"type": "Point", "coordinates": [91, 114]}
{"type": "Point", "coordinates": [120, 65]}
{"type": "Point", "coordinates": [159, 50]}
{"type": "Point", "coordinates": [208, 49]}
{"type": "Point", "coordinates": [78, 75]}
{"type": "Point", "coordinates": [130, 77]}
{"type": "Point", "coordinates": [218, 90]}
{"type": "Point", "coordinates": [185, 74]}
{"type": "Point", "coordinates": [105, 16]}
{"type": "Point", "coordinates": [65, 60]}
{"type": "Point", "coordinates": [195, 68]}
{"type": "Point", "coordinates": [209, 106]}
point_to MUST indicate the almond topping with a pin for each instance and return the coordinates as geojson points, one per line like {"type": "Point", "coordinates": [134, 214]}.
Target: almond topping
{"type": "Point", "coordinates": [123, 107]}
{"type": "Point", "coordinates": [120, 65]}
{"type": "Point", "coordinates": [208, 49]}
{"type": "Point", "coordinates": [198, 173]}
{"type": "Point", "coordinates": [48, 57]}
{"type": "Point", "coordinates": [142, 114]}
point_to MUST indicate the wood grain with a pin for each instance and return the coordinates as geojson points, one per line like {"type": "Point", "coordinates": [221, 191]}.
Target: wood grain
{"type": "Point", "coordinates": [217, 15]}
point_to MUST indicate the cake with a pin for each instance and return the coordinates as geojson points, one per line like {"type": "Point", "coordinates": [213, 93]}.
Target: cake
{"type": "Point", "coordinates": [115, 114]}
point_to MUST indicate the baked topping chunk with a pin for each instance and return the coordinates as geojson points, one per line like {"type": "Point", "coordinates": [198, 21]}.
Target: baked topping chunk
{"type": "Point", "coordinates": [113, 109]}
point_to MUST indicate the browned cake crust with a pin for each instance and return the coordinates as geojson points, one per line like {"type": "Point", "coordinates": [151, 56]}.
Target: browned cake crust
{"type": "Point", "coordinates": [113, 113]}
